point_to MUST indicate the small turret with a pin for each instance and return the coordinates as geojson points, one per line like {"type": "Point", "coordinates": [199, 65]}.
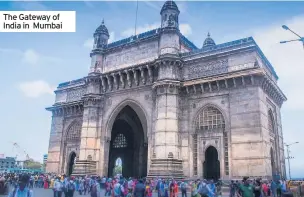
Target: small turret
{"type": "Point", "coordinates": [101, 36]}
{"type": "Point", "coordinates": [208, 41]}
{"type": "Point", "coordinates": [169, 15]}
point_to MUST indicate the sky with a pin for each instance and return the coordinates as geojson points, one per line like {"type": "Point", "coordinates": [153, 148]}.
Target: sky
{"type": "Point", "coordinates": [33, 64]}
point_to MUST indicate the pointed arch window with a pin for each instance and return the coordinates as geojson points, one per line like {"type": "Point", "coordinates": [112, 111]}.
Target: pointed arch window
{"type": "Point", "coordinates": [120, 141]}
{"type": "Point", "coordinates": [210, 118]}
{"type": "Point", "coordinates": [74, 132]}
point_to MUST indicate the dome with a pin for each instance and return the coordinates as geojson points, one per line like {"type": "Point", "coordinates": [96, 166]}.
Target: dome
{"type": "Point", "coordinates": [169, 5]}
{"type": "Point", "coordinates": [102, 29]}
{"type": "Point", "coordinates": [209, 41]}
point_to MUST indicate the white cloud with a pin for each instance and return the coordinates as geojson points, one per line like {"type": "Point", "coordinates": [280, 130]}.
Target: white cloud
{"type": "Point", "coordinates": [30, 57]}
{"type": "Point", "coordinates": [287, 59]}
{"type": "Point", "coordinates": [89, 42]}
{"type": "Point", "coordinates": [185, 29]}
{"type": "Point", "coordinates": [35, 89]}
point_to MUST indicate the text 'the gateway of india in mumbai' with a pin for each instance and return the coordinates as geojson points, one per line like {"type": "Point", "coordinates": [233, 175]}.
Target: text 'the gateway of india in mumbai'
{"type": "Point", "coordinates": [167, 108]}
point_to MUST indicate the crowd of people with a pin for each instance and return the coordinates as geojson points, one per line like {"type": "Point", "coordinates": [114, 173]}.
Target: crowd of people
{"type": "Point", "coordinates": [95, 186]}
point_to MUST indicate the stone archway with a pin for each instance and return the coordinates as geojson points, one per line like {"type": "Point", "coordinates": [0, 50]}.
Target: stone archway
{"type": "Point", "coordinates": [71, 163]}
{"type": "Point", "coordinates": [211, 164]}
{"type": "Point", "coordinates": [128, 143]}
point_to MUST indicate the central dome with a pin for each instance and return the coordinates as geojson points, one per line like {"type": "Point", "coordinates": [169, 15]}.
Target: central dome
{"type": "Point", "coordinates": [169, 5]}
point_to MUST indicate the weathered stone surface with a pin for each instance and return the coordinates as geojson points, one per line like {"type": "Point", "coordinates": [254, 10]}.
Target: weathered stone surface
{"type": "Point", "coordinates": [185, 105]}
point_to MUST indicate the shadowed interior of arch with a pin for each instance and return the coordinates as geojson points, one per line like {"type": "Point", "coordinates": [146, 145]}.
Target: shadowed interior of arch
{"type": "Point", "coordinates": [72, 159]}
{"type": "Point", "coordinates": [127, 143]}
{"type": "Point", "coordinates": [211, 164]}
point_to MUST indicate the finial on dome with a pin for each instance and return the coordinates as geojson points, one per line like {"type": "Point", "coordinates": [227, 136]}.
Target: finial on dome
{"type": "Point", "coordinates": [208, 41]}
{"type": "Point", "coordinates": [102, 29]}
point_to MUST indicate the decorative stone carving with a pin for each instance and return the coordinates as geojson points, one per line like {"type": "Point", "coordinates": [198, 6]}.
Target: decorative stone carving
{"type": "Point", "coordinates": [139, 54]}
{"type": "Point", "coordinates": [76, 94]}
{"type": "Point", "coordinates": [208, 69]}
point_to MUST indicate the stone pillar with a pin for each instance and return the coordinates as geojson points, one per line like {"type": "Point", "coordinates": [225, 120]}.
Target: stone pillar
{"type": "Point", "coordinates": [90, 135]}
{"type": "Point", "coordinates": [53, 161]}
{"type": "Point", "coordinates": [165, 160]}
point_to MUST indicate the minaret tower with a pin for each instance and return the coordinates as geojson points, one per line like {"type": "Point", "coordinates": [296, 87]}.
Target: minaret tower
{"type": "Point", "coordinates": [101, 38]}
{"type": "Point", "coordinates": [166, 158]}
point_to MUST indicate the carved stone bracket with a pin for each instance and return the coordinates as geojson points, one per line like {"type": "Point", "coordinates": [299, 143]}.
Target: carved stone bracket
{"type": "Point", "coordinates": [128, 78]}
{"type": "Point", "coordinates": [109, 82]}
{"type": "Point", "coordinates": [135, 77]}
{"type": "Point", "coordinates": [150, 73]}
{"type": "Point", "coordinates": [142, 75]}
{"type": "Point", "coordinates": [122, 81]}
{"type": "Point", "coordinates": [71, 109]}
{"type": "Point", "coordinates": [103, 83]}
{"type": "Point", "coordinates": [115, 81]}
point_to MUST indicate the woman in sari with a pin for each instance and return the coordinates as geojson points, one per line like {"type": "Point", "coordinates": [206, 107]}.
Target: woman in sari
{"type": "Point", "coordinates": [148, 189]}
{"type": "Point", "coordinates": [46, 183]}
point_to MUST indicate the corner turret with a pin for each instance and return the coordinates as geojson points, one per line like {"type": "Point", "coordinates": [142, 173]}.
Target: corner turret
{"type": "Point", "coordinates": [101, 36]}
{"type": "Point", "coordinates": [169, 15]}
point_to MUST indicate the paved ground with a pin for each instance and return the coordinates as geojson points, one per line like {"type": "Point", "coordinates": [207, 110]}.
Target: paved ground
{"type": "Point", "coordinates": [49, 193]}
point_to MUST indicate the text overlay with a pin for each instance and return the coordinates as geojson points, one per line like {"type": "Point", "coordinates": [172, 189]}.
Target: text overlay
{"type": "Point", "coordinates": [37, 21]}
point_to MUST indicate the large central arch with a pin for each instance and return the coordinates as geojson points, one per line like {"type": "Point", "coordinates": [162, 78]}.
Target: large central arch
{"type": "Point", "coordinates": [128, 142]}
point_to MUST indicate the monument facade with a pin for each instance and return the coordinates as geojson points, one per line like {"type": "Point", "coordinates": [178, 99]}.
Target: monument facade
{"type": "Point", "coordinates": [168, 108]}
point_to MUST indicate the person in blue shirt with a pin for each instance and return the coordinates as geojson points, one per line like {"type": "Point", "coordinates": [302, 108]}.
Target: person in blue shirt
{"type": "Point", "coordinates": [22, 189]}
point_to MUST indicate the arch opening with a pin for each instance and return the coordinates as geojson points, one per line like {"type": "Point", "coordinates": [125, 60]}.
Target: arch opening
{"type": "Point", "coordinates": [272, 161]}
{"type": "Point", "coordinates": [128, 145]}
{"type": "Point", "coordinates": [71, 163]}
{"type": "Point", "coordinates": [71, 146]}
{"type": "Point", "coordinates": [211, 164]}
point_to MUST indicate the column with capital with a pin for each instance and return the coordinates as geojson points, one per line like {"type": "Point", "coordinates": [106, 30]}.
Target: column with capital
{"type": "Point", "coordinates": [88, 162]}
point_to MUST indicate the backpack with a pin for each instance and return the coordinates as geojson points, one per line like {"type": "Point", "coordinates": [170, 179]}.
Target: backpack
{"type": "Point", "coordinates": [184, 187]}
{"type": "Point", "coordinates": [71, 186]}
{"type": "Point", "coordinates": [117, 190]}
{"type": "Point", "coordinates": [203, 189]}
